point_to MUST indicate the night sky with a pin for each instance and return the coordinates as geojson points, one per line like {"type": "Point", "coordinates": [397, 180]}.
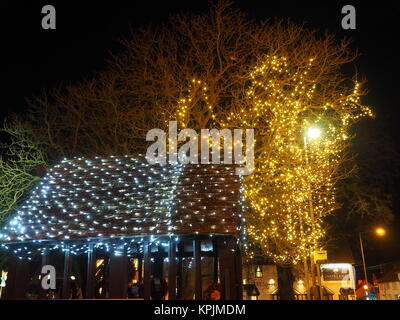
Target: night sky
{"type": "Point", "coordinates": [34, 59]}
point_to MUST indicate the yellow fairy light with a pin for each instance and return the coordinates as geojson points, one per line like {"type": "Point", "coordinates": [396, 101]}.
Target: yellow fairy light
{"type": "Point", "coordinates": [279, 190]}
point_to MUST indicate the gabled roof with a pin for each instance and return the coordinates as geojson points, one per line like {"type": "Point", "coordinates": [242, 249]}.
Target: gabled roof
{"type": "Point", "coordinates": [393, 274]}
{"type": "Point", "coordinates": [125, 196]}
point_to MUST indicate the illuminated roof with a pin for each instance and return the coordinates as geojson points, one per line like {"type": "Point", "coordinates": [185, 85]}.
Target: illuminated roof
{"type": "Point", "coordinates": [125, 196]}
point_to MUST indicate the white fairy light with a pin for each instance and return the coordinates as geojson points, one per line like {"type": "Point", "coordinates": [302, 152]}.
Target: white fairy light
{"type": "Point", "coordinates": [79, 196]}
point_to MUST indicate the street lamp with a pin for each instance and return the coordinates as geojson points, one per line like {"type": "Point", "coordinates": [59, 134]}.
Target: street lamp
{"type": "Point", "coordinates": [380, 232]}
{"type": "Point", "coordinates": [312, 133]}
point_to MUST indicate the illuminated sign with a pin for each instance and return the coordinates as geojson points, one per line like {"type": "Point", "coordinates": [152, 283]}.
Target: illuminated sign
{"type": "Point", "coordinates": [335, 272]}
{"type": "Point", "coordinates": [320, 255]}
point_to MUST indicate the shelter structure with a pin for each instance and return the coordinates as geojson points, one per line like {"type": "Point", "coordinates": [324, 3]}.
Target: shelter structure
{"type": "Point", "coordinates": [109, 225]}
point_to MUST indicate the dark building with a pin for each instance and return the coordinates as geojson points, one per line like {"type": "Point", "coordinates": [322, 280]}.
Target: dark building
{"type": "Point", "coordinates": [389, 282]}
{"type": "Point", "coordinates": [110, 224]}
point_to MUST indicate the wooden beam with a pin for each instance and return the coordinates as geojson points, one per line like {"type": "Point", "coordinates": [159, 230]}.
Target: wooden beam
{"type": "Point", "coordinates": [118, 282]}
{"type": "Point", "coordinates": [198, 292]}
{"type": "Point", "coordinates": [90, 274]}
{"type": "Point", "coordinates": [172, 270]}
{"type": "Point", "coordinates": [66, 287]}
{"type": "Point", "coordinates": [147, 270]}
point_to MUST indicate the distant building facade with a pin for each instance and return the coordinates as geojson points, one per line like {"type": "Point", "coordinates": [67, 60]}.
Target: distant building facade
{"type": "Point", "coordinates": [338, 277]}
{"type": "Point", "coordinates": [264, 277]}
{"type": "Point", "coordinates": [389, 283]}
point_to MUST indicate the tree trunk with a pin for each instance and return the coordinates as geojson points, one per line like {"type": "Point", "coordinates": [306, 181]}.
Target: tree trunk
{"type": "Point", "coordinates": [285, 282]}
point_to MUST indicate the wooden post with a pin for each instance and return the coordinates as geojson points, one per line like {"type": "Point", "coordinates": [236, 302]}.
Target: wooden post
{"type": "Point", "coordinates": [45, 261]}
{"type": "Point", "coordinates": [118, 282]}
{"type": "Point", "coordinates": [215, 259]}
{"type": "Point", "coordinates": [181, 249]}
{"type": "Point", "coordinates": [172, 270]}
{"type": "Point", "coordinates": [227, 284]}
{"type": "Point", "coordinates": [222, 265]}
{"type": "Point", "coordinates": [227, 268]}
{"type": "Point", "coordinates": [198, 292]}
{"type": "Point", "coordinates": [239, 274]}
{"type": "Point", "coordinates": [147, 270]}
{"type": "Point", "coordinates": [66, 287]}
{"type": "Point", "coordinates": [91, 266]}
{"type": "Point", "coordinates": [140, 268]}
{"type": "Point", "coordinates": [17, 278]}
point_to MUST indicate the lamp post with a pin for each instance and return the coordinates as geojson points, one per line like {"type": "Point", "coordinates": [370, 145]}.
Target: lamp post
{"type": "Point", "coordinates": [305, 265]}
{"type": "Point", "coordinates": [312, 133]}
{"type": "Point", "coordinates": [363, 258]}
{"type": "Point", "coordinates": [380, 232]}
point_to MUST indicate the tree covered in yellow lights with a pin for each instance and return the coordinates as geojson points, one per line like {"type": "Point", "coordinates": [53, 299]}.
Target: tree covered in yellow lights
{"type": "Point", "coordinates": [302, 117]}
{"type": "Point", "coordinates": [302, 108]}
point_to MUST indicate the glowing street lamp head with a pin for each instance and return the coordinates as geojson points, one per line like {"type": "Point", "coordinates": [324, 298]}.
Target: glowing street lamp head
{"type": "Point", "coordinates": [380, 231]}
{"type": "Point", "coordinates": [313, 133]}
